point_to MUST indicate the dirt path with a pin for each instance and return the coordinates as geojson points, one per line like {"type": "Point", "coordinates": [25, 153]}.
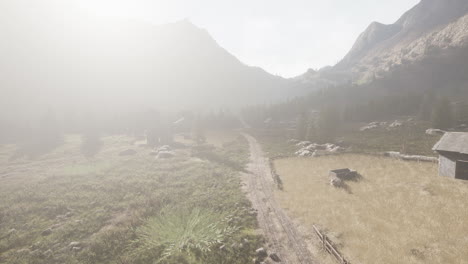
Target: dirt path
{"type": "Point", "coordinates": [282, 235]}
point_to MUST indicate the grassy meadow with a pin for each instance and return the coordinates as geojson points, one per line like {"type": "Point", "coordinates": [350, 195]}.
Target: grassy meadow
{"type": "Point", "coordinates": [66, 207]}
{"type": "Point", "coordinates": [398, 212]}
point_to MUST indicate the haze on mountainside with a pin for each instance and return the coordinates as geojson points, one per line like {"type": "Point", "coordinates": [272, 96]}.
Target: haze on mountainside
{"type": "Point", "coordinates": [123, 141]}
{"type": "Point", "coordinates": [64, 58]}
{"type": "Point", "coordinates": [57, 56]}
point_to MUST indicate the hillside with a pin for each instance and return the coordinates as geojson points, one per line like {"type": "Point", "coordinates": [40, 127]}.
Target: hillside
{"type": "Point", "coordinates": [64, 57]}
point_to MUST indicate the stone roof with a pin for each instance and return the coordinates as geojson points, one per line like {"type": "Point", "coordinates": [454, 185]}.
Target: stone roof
{"type": "Point", "coordinates": [453, 142]}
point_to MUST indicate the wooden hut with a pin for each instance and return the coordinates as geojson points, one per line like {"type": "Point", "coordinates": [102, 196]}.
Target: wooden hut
{"type": "Point", "coordinates": [453, 155]}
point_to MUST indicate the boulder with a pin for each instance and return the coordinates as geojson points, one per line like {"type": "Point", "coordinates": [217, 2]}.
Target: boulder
{"type": "Point", "coordinates": [261, 252]}
{"type": "Point", "coordinates": [303, 143]}
{"type": "Point", "coordinates": [396, 124]}
{"type": "Point", "coordinates": [164, 148]}
{"type": "Point", "coordinates": [165, 155]}
{"type": "Point", "coordinates": [435, 132]}
{"type": "Point", "coordinates": [275, 257]}
{"type": "Point", "coordinates": [128, 152]}
{"type": "Point", "coordinates": [46, 232]}
{"type": "Point", "coordinates": [74, 244]}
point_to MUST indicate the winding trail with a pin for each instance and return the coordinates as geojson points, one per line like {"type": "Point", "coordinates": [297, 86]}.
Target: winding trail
{"type": "Point", "coordinates": [281, 233]}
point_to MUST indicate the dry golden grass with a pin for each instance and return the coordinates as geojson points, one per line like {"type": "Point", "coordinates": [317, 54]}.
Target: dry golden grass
{"type": "Point", "coordinates": [400, 212]}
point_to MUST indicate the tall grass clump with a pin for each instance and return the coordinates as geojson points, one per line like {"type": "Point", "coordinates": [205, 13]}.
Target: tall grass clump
{"type": "Point", "coordinates": [184, 232]}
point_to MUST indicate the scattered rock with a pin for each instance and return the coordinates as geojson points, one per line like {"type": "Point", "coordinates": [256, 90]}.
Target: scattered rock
{"type": "Point", "coordinates": [165, 155]}
{"type": "Point", "coordinates": [164, 148]}
{"type": "Point", "coordinates": [275, 257]}
{"type": "Point", "coordinates": [128, 152]}
{"type": "Point", "coordinates": [303, 143]}
{"type": "Point", "coordinates": [76, 249]}
{"type": "Point", "coordinates": [223, 247]}
{"type": "Point", "coordinates": [74, 244]}
{"type": "Point", "coordinates": [396, 124]}
{"type": "Point", "coordinates": [46, 232]}
{"type": "Point", "coordinates": [315, 150]}
{"type": "Point", "coordinates": [261, 252]}
{"type": "Point", "coordinates": [370, 126]}
{"type": "Point", "coordinates": [435, 132]}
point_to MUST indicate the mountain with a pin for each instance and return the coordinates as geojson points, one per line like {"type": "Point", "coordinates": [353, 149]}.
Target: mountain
{"type": "Point", "coordinates": [424, 41]}
{"type": "Point", "coordinates": [59, 56]}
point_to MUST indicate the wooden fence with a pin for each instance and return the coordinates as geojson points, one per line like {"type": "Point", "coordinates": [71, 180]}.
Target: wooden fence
{"type": "Point", "coordinates": [329, 247]}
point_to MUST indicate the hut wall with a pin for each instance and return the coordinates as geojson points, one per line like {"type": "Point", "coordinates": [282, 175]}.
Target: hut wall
{"type": "Point", "coordinates": [447, 166]}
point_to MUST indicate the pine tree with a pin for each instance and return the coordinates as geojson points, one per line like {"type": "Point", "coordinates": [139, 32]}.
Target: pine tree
{"type": "Point", "coordinates": [328, 124]}
{"type": "Point", "coordinates": [442, 116]}
{"type": "Point", "coordinates": [301, 129]}
{"type": "Point", "coordinates": [425, 109]}
{"type": "Point", "coordinates": [198, 132]}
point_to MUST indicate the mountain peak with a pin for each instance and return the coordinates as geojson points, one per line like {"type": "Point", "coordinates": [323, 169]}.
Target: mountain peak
{"type": "Point", "coordinates": [422, 18]}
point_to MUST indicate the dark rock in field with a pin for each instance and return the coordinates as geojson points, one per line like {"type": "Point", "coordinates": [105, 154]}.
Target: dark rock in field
{"type": "Point", "coordinates": [261, 252]}
{"type": "Point", "coordinates": [128, 152]}
{"type": "Point", "coordinates": [275, 257]}
{"type": "Point", "coordinates": [46, 232]}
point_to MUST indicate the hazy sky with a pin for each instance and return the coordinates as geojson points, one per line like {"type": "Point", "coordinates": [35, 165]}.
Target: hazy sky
{"type": "Point", "coordinates": [283, 37]}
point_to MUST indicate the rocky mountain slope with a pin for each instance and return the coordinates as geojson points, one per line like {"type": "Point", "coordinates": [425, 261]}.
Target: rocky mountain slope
{"type": "Point", "coordinates": [434, 30]}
